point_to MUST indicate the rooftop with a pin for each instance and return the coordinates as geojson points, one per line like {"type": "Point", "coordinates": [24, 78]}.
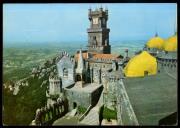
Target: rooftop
{"type": "Point", "coordinates": [152, 97]}
{"type": "Point", "coordinates": [105, 56]}
{"type": "Point", "coordinates": [88, 87]}
{"type": "Point", "coordinates": [98, 56]}
{"type": "Point", "coordinates": [84, 54]}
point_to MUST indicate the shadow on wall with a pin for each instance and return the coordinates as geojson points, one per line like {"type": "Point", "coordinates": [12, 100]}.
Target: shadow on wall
{"type": "Point", "coordinates": [169, 120]}
{"type": "Point", "coordinates": [96, 96]}
{"type": "Point", "coordinates": [101, 114]}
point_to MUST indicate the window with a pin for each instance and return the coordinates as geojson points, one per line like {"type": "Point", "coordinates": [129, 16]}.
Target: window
{"type": "Point", "coordinates": [65, 72]}
{"type": "Point", "coordinates": [145, 73]}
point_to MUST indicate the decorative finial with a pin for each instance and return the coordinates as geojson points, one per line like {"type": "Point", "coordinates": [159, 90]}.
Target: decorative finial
{"type": "Point", "coordinates": [101, 7]}
{"type": "Point", "coordinates": [81, 47]}
{"type": "Point", "coordinates": [175, 25]}
{"type": "Point", "coordinates": [89, 8]}
{"type": "Point", "coordinates": [156, 35]}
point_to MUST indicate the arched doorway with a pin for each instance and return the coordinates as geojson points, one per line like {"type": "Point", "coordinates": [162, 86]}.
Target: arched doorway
{"type": "Point", "coordinates": [78, 78]}
{"type": "Point", "coordinates": [74, 105]}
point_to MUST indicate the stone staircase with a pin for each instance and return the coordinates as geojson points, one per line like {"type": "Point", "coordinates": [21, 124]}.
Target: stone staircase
{"type": "Point", "coordinates": [92, 117]}
{"type": "Point", "coordinates": [73, 112]}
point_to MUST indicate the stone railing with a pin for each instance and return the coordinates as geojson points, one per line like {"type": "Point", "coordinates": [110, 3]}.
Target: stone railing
{"type": "Point", "coordinates": [86, 112]}
{"type": "Point", "coordinates": [48, 114]}
{"type": "Point", "coordinates": [125, 112]}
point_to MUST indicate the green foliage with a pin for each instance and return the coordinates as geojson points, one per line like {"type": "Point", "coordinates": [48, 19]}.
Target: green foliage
{"type": "Point", "coordinates": [18, 61]}
{"type": "Point", "coordinates": [20, 109]}
{"type": "Point", "coordinates": [81, 109]}
{"type": "Point", "coordinates": [109, 114]}
{"type": "Point", "coordinates": [15, 74]}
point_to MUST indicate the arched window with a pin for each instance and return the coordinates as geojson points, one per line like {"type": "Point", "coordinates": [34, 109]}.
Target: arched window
{"type": "Point", "coordinates": [65, 72]}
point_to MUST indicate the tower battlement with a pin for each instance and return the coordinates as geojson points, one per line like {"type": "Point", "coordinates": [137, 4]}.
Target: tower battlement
{"type": "Point", "coordinates": [98, 33]}
{"type": "Point", "coordinates": [54, 85]}
{"type": "Point", "coordinates": [98, 12]}
{"type": "Point", "coordinates": [54, 78]}
{"type": "Point", "coordinates": [64, 53]}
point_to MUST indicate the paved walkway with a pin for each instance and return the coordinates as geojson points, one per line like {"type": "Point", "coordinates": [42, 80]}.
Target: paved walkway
{"type": "Point", "coordinates": [169, 74]}
{"type": "Point", "coordinates": [125, 104]}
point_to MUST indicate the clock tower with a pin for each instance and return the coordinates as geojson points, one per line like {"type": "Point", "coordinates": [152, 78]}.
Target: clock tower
{"type": "Point", "coordinates": [98, 33]}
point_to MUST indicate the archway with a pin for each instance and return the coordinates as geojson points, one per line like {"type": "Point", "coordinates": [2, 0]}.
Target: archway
{"type": "Point", "coordinates": [65, 72]}
{"type": "Point", "coordinates": [74, 105]}
{"type": "Point", "coordinates": [78, 78]}
{"type": "Point", "coordinates": [146, 73]}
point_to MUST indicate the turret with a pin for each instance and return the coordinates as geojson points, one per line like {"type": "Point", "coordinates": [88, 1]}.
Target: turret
{"type": "Point", "coordinates": [80, 63]}
{"type": "Point", "coordinates": [54, 85]}
{"type": "Point", "coordinates": [126, 51]}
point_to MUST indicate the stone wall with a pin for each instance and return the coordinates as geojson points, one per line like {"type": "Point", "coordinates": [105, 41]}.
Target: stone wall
{"type": "Point", "coordinates": [66, 63]}
{"type": "Point", "coordinates": [78, 99]}
{"type": "Point", "coordinates": [84, 99]}
{"type": "Point", "coordinates": [110, 96]}
{"type": "Point", "coordinates": [103, 66]}
{"type": "Point", "coordinates": [125, 112]}
{"type": "Point", "coordinates": [167, 63]}
{"type": "Point", "coordinates": [48, 114]}
{"type": "Point", "coordinates": [96, 95]}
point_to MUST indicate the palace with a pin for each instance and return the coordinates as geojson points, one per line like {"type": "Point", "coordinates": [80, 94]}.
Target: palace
{"type": "Point", "coordinates": [97, 80]}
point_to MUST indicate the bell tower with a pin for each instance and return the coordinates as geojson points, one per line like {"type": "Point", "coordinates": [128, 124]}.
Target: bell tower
{"type": "Point", "coordinates": [98, 33]}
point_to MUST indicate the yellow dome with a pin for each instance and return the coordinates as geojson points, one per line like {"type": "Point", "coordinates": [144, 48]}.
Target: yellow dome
{"type": "Point", "coordinates": [171, 44]}
{"type": "Point", "coordinates": [140, 64]}
{"type": "Point", "coordinates": [155, 42]}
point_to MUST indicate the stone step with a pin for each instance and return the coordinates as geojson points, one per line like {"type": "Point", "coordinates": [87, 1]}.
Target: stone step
{"type": "Point", "coordinates": [92, 118]}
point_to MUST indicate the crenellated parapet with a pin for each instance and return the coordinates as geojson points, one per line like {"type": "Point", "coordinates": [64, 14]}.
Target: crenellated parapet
{"type": "Point", "coordinates": [55, 86]}
{"type": "Point", "coordinates": [48, 114]}
{"type": "Point", "coordinates": [62, 54]}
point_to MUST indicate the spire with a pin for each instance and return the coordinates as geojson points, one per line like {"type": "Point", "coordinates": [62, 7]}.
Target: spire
{"type": "Point", "coordinates": [80, 66]}
{"type": "Point", "coordinates": [175, 25]}
{"type": "Point", "coordinates": [89, 9]}
{"type": "Point", "coordinates": [156, 35]}
{"type": "Point", "coordinates": [101, 9]}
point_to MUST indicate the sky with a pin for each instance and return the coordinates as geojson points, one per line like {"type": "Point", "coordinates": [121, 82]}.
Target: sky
{"type": "Point", "coordinates": [69, 22]}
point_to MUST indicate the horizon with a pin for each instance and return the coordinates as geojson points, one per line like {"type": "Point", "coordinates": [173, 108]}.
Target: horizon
{"type": "Point", "coordinates": [30, 23]}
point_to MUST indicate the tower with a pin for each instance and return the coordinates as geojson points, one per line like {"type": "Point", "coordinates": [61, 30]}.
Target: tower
{"type": "Point", "coordinates": [55, 85]}
{"type": "Point", "coordinates": [98, 33]}
{"type": "Point", "coordinates": [80, 70]}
